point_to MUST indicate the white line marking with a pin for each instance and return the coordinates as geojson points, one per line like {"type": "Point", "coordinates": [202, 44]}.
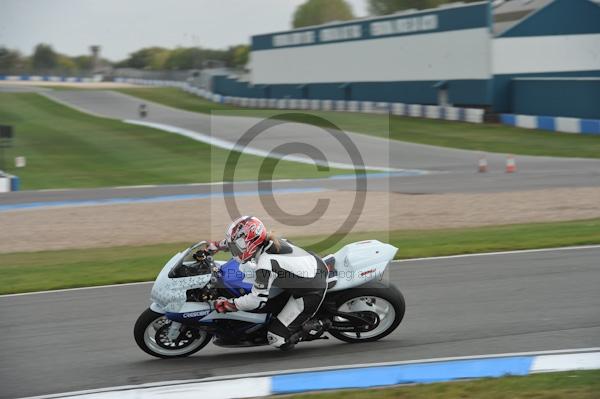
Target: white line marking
{"type": "Point", "coordinates": [214, 183]}
{"type": "Point", "coordinates": [77, 289]}
{"type": "Point", "coordinates": [238, 388]}
{"type": "Point", "coordinates": [524, 251]}
{"type": "Point", "coordinates": [232, 146]}
{"type": "Point", "coordinates": [520, 251]}
{"type": "Point", "coordinates": [565, 362]}
{"type": "Point", "coordinates": [312, 369]}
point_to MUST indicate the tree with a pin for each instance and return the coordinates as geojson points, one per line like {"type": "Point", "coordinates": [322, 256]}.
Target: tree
{"type": "Point", "coordinates": [10, 60]}
{"type": "Point", "coordinates": [316, 12]}
{"type": "Point", "coordinates": [238, 55]}
{"type": "Point", "coordinates": [180, 58]}
{"type": "Point", "coordinates": [143, 58]}
{"type": "Point", "coordinates": [83, 62]}
{"type": "Point", "coordinates": [44, 57]}
{"type": "Point", "coordinates": [384, 7]}
{"type": "Point", "coordinates": [66, 65]}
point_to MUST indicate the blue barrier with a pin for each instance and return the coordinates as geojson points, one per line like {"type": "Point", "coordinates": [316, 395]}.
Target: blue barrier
{"type": "Point", "coordinates": [553, 123]}
{"type": "Point", "coordinates": [366, 377]}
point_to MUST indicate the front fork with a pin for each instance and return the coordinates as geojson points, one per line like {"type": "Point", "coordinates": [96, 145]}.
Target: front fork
{"type": "Point", "coordinates": [174, 330]}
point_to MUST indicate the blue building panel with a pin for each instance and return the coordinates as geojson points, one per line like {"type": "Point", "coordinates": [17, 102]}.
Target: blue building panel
{"type": "Point", "coordinates": [577, 98]}
{"type": "Point", "coordinates": [557, 18]}
{"type": "Point", "coordinates": [518, 93]}
{"type": "Point", "coordinates": [429, 21]}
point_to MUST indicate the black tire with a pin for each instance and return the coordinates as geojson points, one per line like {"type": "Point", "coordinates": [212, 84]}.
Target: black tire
{"type": "Point", "coordinates": [388, 292]}
{"type": "Point", "coordinates": [148, 317]}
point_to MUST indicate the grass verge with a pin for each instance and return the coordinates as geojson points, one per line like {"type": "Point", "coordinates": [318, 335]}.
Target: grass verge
{"type": "Point", "coordinates": [69, 149]}
{"type": "Point", "coordinates": [570, 384]}
{"type": "Point", "coordinates": [480, 137]}
{"type": "Point", "coordinates": [47, 270]}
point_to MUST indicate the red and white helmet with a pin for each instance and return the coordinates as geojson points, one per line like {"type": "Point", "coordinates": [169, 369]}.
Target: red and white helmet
{"type": "Point", "coordinates": [245, 236]}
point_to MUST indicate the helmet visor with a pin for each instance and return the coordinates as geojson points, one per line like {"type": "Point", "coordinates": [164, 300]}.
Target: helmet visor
{"type": "Point", "coordinates": [237, 247]}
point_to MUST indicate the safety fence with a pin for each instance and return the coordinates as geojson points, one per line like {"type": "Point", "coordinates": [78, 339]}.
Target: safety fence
{"type": "Point", "coordinates": [473, 115]}
{"type": "Point", "coordinates": [553, 123]}
{"type": "Point", "coordinates": [47, 78]}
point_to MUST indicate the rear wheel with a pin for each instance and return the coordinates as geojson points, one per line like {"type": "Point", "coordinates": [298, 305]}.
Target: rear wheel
{"type": "Point", "coordinates": [383, 304]}
{"type": "Point", "coordinates": [151, 334]}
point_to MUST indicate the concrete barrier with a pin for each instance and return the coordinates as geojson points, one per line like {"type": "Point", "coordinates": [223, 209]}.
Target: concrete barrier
{"type": "Point", "coordinates": [366, 106]}
{"type": "Point", "coordinates": [432, 111]}
{"type": "Point", "coordinates": [340, 105]}
{"type": "Point", "coordinates": [552, 123]}
{"type": "Point", "coordinates": [9, 182]}
{"type": "Point", "coordinates": [398, 109]}
{"type": "Point", "coordinates": [415, 110]}
{"type": "Point", "coordinates": [472, 115]}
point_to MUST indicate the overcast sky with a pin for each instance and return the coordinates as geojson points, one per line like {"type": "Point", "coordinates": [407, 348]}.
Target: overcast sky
{"type": "Point", "coordinates": [123, 26]}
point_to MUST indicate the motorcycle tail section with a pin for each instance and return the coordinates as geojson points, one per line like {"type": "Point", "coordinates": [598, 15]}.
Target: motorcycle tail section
{"type": "Point", "coordinates": [360, 262]}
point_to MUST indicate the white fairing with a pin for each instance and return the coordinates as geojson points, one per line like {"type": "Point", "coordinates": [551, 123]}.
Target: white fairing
{"type": "Point", "coordinates": [355, 263]}
{"type": "Point", "coordinates": [360, 262]}
{"type": "Point", "coordinates": [170, 293]}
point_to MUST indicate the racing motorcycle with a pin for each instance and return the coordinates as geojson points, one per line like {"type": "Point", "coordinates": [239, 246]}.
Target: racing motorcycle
{"type": "Point", "coordinates": [358, 305]}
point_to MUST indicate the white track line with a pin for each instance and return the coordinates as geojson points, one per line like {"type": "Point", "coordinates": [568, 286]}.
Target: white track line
{"type": "Point", "coordinates": [77, 289]}
{"type": "Point", "coordinates": [236, 147]}
{"type": "Point", "coordinates": [520, 251]}
{"type": "Point", "coordinates": [310, 369]}
{"type": "Point", "coordinates": [524, 251]}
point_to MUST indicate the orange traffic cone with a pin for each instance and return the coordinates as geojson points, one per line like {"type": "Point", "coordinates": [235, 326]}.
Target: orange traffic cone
{"type": "Point", "coordinates": [483, 165]}
{"type": "Point", "coordinates": [511, 165]}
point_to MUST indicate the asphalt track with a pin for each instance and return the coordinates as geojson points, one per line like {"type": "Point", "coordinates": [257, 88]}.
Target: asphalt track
{"type": "Point", "coordinates": [458, 306]}
{"type": "Point", "coordinates": [448, 170]}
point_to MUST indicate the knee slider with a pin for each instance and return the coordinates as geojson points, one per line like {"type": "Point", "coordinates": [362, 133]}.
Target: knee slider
{"type": "Point", "coordinates": [275, 340]}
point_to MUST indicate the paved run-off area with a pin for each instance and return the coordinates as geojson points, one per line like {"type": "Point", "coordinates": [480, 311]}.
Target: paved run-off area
{"type": "Point", "coordinates": [479, 304]}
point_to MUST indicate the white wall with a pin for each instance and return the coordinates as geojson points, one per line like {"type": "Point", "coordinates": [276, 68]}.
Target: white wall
{"type": "Point", "coordinates": [538, 54]}
{"type": "Point", "coordinates": [462, 54]}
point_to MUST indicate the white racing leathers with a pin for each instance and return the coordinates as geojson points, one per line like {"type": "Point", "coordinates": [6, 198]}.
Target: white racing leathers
{"type": "Point", "coordinates": [303, 278]}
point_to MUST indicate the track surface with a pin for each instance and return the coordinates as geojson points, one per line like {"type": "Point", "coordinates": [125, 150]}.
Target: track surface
{"type": "Point", "coordinates": [72, 340]}
{"type": "Point", "coordinates": [451, 170]}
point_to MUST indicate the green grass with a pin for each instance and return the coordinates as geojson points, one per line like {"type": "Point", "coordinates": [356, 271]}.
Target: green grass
{"type": "Point", "coordinates": [569, 384]}
{"type": "Point", "coordinates": [480, 137]}
{"type": "Point", "coordinates": [69, 149]}
{"type": "Point", "coordinates": [442, 242]}
{"type": "Point", "coordinates": [47, 270]}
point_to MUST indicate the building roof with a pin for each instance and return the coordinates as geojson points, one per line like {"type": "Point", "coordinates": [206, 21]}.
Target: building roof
{"type": "Point", "coordinates": [508, 13]}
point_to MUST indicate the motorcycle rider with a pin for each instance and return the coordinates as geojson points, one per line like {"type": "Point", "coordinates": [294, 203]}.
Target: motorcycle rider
{"type": "Point", "coordinates": [278, 263]}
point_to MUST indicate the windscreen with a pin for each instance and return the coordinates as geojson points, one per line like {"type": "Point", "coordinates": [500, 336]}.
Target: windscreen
{"type": "Point", "coordinates": [191, 265]}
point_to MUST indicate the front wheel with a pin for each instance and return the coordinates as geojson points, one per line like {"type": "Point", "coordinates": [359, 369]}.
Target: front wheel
{"type": "Point", "coordinates": [150, 332]}
{"type": "Point", "coordinates": [385, 303]}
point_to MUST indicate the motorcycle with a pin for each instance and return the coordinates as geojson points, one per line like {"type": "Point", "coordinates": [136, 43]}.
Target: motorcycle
{"type": "Point", "coordinates": [357, 307]}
